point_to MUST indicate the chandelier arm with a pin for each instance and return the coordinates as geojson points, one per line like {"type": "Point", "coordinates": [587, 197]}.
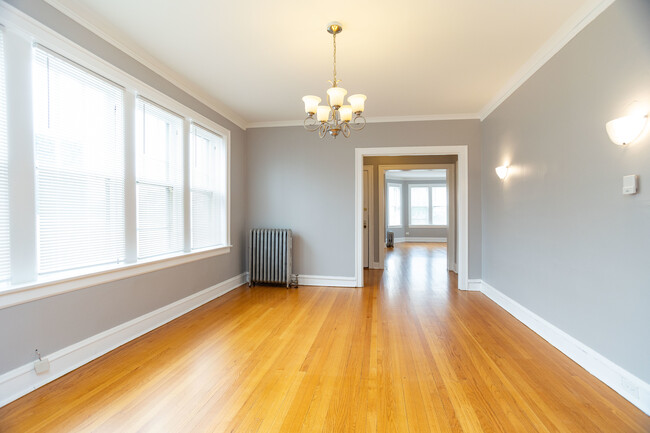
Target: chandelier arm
{"type": "Point", "coordinates": [345, 129]}
{"type": "Point", "coordinates": [311, 124]}
{"type": "Point", "coordinates": [358, 123]}
{"type": "Point", "coordinates": [322, 129]}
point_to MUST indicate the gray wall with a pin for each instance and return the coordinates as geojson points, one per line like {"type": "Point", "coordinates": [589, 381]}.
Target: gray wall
{"type": "Point", "coordinates": [558, 235]}
{"type": "Point", "coordinates": [54, 323]}
{"type": "Point", "coordinates": [300, 181]}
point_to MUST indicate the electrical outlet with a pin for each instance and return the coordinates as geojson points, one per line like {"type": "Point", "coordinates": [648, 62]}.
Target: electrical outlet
{"type": "Point", "coordinates": [41, 366]}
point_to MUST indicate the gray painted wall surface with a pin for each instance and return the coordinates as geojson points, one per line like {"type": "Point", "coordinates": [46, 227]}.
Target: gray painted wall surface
{"type": "Point", "coordinates": [558, 235]}
{"type": "Point", "coordinates": [53, 323]}
{"type": "Point", "coordinates": [305, 183]}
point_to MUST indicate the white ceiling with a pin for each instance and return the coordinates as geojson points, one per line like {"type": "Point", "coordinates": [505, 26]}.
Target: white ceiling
{"type": "Point", "coordinates": [253, 60]}
{"type": "Point", "coordinates": [437, 174]}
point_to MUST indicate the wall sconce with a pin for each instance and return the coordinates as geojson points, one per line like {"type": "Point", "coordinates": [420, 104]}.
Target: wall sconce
{"type": "Point", "coordinates": [502, 171]}
{"type": "Point", "coordinates": [625, 130]}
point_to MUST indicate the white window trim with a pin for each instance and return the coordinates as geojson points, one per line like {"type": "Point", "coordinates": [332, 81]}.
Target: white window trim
{"type": "Point", "coordinates": [29, 29]}
{"type": "Point", "coordinates": [425, 226]}
{"type": "Point", "coordinates": [400, 186]}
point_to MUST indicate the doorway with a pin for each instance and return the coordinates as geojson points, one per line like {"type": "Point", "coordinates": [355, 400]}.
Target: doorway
{"type": "Point", "coordinates": [368, 216]}
{"type": "Point", "coordinates": [462, 244]}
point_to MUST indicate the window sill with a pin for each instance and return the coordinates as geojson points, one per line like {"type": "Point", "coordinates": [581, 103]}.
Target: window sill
{"type": "Point", "coordinates": [395, 227]}
{"type": "Point", "coordinates": [64, 282]}
{"type": "Point", "coordinates": [420, 226]}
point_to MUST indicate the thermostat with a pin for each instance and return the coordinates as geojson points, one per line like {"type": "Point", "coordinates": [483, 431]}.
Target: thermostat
{"type": "Point", "coordinates": [630, 184]}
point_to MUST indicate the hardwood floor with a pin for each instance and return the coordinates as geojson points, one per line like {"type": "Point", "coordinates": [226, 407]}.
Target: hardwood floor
{"type": "Point", "coordinates": [408, 352]}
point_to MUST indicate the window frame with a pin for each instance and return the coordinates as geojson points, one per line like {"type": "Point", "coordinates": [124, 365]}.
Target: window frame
{"type": "Point", "coordinates": [28, 286]}
{"type": "Point", "coordinates": [429, 187]}
{"type": "Point", "coordinates": [401, 199]}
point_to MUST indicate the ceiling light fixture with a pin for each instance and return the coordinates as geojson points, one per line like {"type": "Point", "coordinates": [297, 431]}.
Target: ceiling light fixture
{"type": "Point", "coordinates": [334, 117]}
{"type": "Point", "coordinates": [502, 171]}
{"type": "Point", "coordinates": [625, 130]}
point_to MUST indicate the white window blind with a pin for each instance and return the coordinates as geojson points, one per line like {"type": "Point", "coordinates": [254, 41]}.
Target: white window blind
{"type": "Point", "coordinates": [419, 205]}
{"type": "Point", "coordinates": [394, 205]}
{"type": "Point", "coordinates": [79, 152]}
{"type": "Point", "coordinates": [159, 144]}
{"type": "Point", "coordinates": [439, 205]}
{"type": "Point", "coordinates": [207, 188]}
{"type": "Point", "coordinates": [5, 268]}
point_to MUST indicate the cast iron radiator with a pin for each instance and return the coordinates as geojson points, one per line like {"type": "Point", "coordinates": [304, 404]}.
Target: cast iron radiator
{"type": "Point", "coordinates": [269, 256]}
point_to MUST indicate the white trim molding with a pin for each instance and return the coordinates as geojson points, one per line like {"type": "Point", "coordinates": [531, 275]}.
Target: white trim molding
{"type": "Point", "coordinates": [326, 281]}
{"type": "Point", "coordinates": [380, 119]}
{"type": "Point", "coordinates": [419, 239]}
{"type": "Point", "coordinates": [475, 285]}
{"type": "Point", "coordinates": [22, 380]}
{"type": "Point", "coordinates": [630, 387]}
{"type": "Point", "coordinates": [568, 31]}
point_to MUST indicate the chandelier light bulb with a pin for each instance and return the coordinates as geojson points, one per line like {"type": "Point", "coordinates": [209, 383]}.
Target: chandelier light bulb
{"type": "Point", "coordinates": [323, 113]}
{"type": "Point", "coordinates": [346, 113]}
{"type": "Point", "coordinates": [357, 102]}
{"type": "Point", "coordinates": [311, 103]}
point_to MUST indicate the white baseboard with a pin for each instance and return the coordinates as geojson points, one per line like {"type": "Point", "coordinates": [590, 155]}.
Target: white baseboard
{"type": "Point", "coordinates": [22, 380]}
{"type": "Point", "coordinates": [630, 387]}
{"type": "Point", "coordinates": [474, 285]}
{"type": "Point", "coordinates": [321, 280]}
{"type": "Point", "coordinates": [419, 239]}
{"type": "Point", "coordinates": [376, 265]}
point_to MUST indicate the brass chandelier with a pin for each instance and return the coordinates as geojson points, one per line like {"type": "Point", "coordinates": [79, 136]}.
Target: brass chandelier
{"type": "Point", "coordinates": [334, 117]}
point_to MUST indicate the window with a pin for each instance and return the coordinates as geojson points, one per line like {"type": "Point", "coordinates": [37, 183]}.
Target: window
{"type": "Point", "coordinates": [159, 174]}
{"type": "Point", "coordinates": [207, 188]}
{"type": "Point", "coordinates": [394, 205]}
{"type": "Point", "coordinates": [79, 155]}
{"type": "Point", "coordinates": [4, 173]}
{"type": "Point", "coordinates": [428, 205]}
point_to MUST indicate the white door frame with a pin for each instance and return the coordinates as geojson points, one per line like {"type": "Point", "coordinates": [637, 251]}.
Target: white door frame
{"type": "Point", "coordinates": [463, 203]}
{"type": "Point", "coordinates": [371, 215]}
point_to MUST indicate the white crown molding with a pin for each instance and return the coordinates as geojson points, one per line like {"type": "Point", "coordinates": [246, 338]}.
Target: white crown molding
{"type": "Point", "coordinates": [381, 119]}
{"type": "Point", "coordinates": [630, 387]}
{"type": "Point", "coordinates": [154, 65]}
{"type": "Point", "coordinates": [22, 380]}
{"type": "Point", "coordinates": [568, 31]}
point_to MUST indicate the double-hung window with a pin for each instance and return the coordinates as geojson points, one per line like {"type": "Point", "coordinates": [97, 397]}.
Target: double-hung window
{"type": "Point", "coordinates": [208, 172]}
{"type": "Point", "coordinates": [79, 165]}
{"type": "Point", "coordinates": [159, 177]}
{"type": "Point", "coordinates": [394, 205]}
{"type": "Point", "coordinates": [5, 269]}
{"type": "Point", "coordinates": [428, 205]}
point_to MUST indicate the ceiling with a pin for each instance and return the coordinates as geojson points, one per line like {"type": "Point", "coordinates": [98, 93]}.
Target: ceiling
{"type": "Point", "coordinates": [253, 60]}
{"type": "Point", "coordinates": [437, 174]}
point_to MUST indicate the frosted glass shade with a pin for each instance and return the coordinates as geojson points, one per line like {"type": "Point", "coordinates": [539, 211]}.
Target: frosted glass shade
{"type": "Point", "coordinates": [357, 102]}
{"type": "Point", "coordinates": [346, 113]}
{"type": "Point", "coordinates": [502, 171]}
{"type": "Point", "coordinates": [625, 130]}
{"type": "Point", "coordinates": [323, 113]}
{"type": "Point", "coordinates": [311, 103]}
{"type": "Point", "coordinates": [336, 96]}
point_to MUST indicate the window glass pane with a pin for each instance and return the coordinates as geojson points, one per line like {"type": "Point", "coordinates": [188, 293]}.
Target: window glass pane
{"type": "Point", "coordinates": [439, 202]}
{"type": "Point", "coordinates": [79, 144]}
{"type": "Point", "coordinates": [208, 188]}
{"type": "Point", "coordinates": [419, 205]}
{"type": "Point", "coordinates": [159, 174]}
{"type": "Point", "coordinates": [394, 205]}
{"type": "Point", "coordinates": [4, 165]}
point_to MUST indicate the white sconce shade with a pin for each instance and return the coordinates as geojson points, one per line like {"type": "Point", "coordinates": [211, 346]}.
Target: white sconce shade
{"type": "Point", "coordinates": [346, 113]}
{"type": "Point", "coordinates": [336, 96]}
{"type": "Point", "coordinates": [357, 102]}
{"type": "Point", "coordinates": [502, 171]}
{"type": "Point", "coordinates": [625, 130]}
{"type": "Point", "coordinates": [323, 113]}
{"type": "Point", "coordinates": [311, 103]}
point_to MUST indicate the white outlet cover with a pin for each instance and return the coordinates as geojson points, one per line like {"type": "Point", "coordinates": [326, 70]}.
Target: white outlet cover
{"type": "Point", "coordinates": [42, 366]}
{"type": "Point", "coordinates": [630, 184]}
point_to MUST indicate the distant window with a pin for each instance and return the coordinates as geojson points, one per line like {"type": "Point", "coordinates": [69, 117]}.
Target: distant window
{"type": "Point", "coordinates": [394, 205]}
{"type": "Point", "coordinates": [428, 205]}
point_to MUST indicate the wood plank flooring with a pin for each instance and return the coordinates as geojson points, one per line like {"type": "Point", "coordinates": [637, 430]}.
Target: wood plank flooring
{"type": "Point", "coordinates": [406, 353]}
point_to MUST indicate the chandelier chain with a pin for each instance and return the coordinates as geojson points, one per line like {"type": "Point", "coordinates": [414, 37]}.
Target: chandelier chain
{"type": "Point", "coordinates": [334, 39]}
